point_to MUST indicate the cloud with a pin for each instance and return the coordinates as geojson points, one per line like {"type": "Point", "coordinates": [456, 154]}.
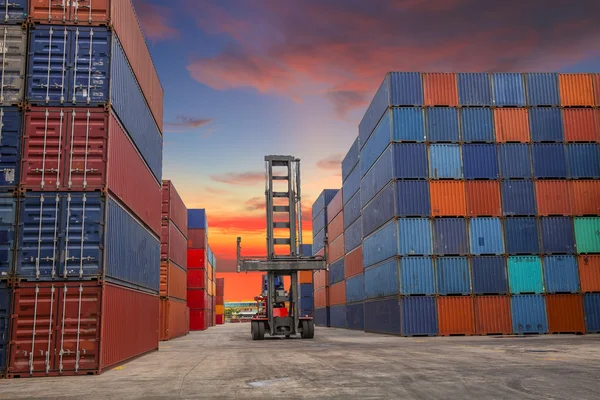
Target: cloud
{"type": "Point", "coordinates": [255, 203]}
{"type": "Point", "coordinates": [184, 123]}
{"type": "Point", "coordinates": [239, 224]}
{"type": "Point", "coordinates": [244, 178]}
{"type": "Point", "coordinates": [154, 20]}
{"type": "Point", "coordinates": [345, 100]}
{"type": "Point", "coordinates": [333, 162]}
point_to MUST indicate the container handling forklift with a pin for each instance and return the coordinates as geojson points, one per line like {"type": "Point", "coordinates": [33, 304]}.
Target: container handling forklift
{"type": "Point", "coordinates": [274, 318]}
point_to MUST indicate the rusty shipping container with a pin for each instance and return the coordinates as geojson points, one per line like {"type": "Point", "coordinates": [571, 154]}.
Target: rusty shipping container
{"type": "Point", "coordinates": [553, 197]}
{"type": "Point", "coordinates": [173, 245]}
{"type": "Point", "coordinates": [492, 315]}
{"type": "Point", "coordinates": [321, 279]}
{"type": "Point", "coordinates": [565, 313]}
{"type": "Point", "coordinates": [440, 89]}
{"type": "Point", "coordinates": [335, 206]}
{"type": "Point", "coordinates": [597, 88]}
{"type": "Point", "coordinates": [173, 319]}
{"type": "Point", "coordinates": [336, 226]}
{"type": "Point", "coordinates": [512, 125]}
{"type": "Point", "coordinates": [337, 294]}
{"type": "Point", "coordinates": [585, 195]}
{"type": "Point", "coordinates": [173, 281]}
{"type": "Point", "coordinates": [581, 125]}
{"type": "Point", "coordinates": [456, 315]}
{"type": "Point", "coordinates": [448, 198]}
{"type": "Point", "coordinates": [589, 273]}
{"type": "Point", "coordinates": [320, 297]}
{"type": "Point", "coordinates": [336, 249]}
{"type": "Point", "coordinates": [483, 198]}
{"type": "Point", "coordinates": [173, 207]}
{"type": "Point", "coordinates": [197, 238]}
{"type": "Point", "coordinates": [353, 263]}
{"type": "Point", "coordinates": [576, 90]}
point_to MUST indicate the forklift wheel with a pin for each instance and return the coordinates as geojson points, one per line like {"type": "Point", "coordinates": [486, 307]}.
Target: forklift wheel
{"type": "Point", "coordinates": [254, 330]}
{"type": "Point", "coordinates": [260, 325]}
{"type": "Point", "coordinates": [308, 330]}
{"type": "Point", "coordinates": [311, 329]}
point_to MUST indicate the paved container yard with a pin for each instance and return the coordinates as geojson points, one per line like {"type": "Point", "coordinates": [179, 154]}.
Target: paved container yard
{"type": "Point", "coordinates": [224, 363]}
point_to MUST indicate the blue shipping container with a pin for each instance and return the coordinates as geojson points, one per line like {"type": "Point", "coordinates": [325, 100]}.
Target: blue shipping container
{"type": "Point", "coordinates": [542, 89]}
{"type": "Point", "coordinates": [453, 276]}
{"type": "Point", "coordinates": [477, 125]}
{"type": "Point", "coordinates": [518, 198]}
{"type": "Point", "coordinates": [558, 235]}
{"type": "Point", "coordinates": [381, 245]}
{"type": "Point", "coordinates": [323, 201]}
{"type": "Point", "coordinates": [377, 143]}
{"type": "Point", "coordinates": [306, 250]}
{"type": "Point", "coordinates": [355, 316]}
{"type": "Point", "coordinates": [319, 222]}
{"type": "Point", "coordinates": [5, 311]}
{"type": "Point", "coordinates": [382, 316]}
{"type": "Point", "coordinates": [197, 218]}
{"type": "Point", "coordinates": [529, 314]}
{"type": "Point", "coordinates": [584, 160]}
{"type": "Point", "coordinates": [350, 160]}
{"type": "Point", "coordinates": [321, 316]}
{"type": "Point", "coordinates": [414, 236]}
{"type": "Point", "coordinates": [591, 306]}
{"type": "Point", "coordinates": [417, 276]}
{"type": "Point", "coordinates": [442, 125]}
{"type": "Point", "coordinates": [318, 242]}
{"type": "Point", "coordinates": [561, 274]}
{"type": "Point", "coordinates": [336, 271]}
{"type": "Point", "coordinates": [515, 160]}
{"type": "Point", "coordinates": [525, 275]}
{"type": "Point", "coordinates": [382, 280]}
{"type": "Point", "coordinates": [450, 236]}
{"type": "Point", "coordinates": [306, 304]}
{"type": "Point", "coordinates": [549, 160]}
{"type": "Point", "coordinates": [408, 124]}
{"type": "Point", "coordinates": [353, 236]}
{"type": "Point", "coordinates": [379, 176]}
{"type": "Point", "coordinates": [352, 210]}
{"type": "Point", "coordinates": [380, 210]}
{"type": "Point", "coordinates": [486, 236]}
{"type": "Point", "coordinates": [489, 275]}
{"type": "Point", "coordinates": [508, 89]}
{"type": "Point", "coordinates": [10, 146]}
{"type": "Point", "coordinates": [306, 290]}
{"type": "Point", "coordinates": [351, 185]}
{"type": "Point", "coordinates": [15, 12]}
{"type": "Point", "coordinates": [445, 161]}
{"type": "Point", "coordinates": [474, 89]}
{"type": "Point", "coordinates": [8, 221]}
{"type": "Point", "coordinates": [412, 199]}
{"type": "Point", "coordinates": [338, 316]}
{"type": "Point", "coordinates": [419, 316]}
{"type": "Point", "coordinates": [546, 124]}
{"type": "Point", "coordinates": [480, 161]}
{"type": "Point", "coordinates": [521, 236]}
{"type": "Point", "coordinates": [354, 289]}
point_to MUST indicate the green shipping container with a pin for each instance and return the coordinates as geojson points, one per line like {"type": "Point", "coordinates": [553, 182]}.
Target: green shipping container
{"type": "Point", "coordinates": [587, 235]}
{"type": "Point", "coordinates": [525, 275]}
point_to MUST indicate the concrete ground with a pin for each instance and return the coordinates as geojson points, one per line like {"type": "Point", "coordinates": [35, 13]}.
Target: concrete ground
{"type": "Point", "coordinates": [224, 363]}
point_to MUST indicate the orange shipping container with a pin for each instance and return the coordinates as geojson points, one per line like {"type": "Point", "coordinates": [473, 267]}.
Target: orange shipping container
{"type": "Point", "coordinates": [553, 197]}
{"type": "Point", "coordinates": [597, 88]}
{"type": "Point", "coordinates": [321, 279]}
{"type": "Point", "coordinates": [305, 276]}
{"type": "Point", "coordinates": [441, 89]}
{"type": "Point", "coordinates": [585, 197]}
{"type": "Point", "coordinates": [565, 313]}
{"type": "Point", "coordinates": [576, 90]}
{"type": "Point", "coordinates": [336, 227]}
{"type": "Point", "coordinates": [456, 315]}
{"type": "Point", "coordinates": [353, 262]}
{"type": "Point", "coordinates": [173, 317]}
{"type": "Point", "coordinates": [581, 125]}
{"type": "Point", "coordinates": [337, 294]}
{"type": "Point", "coordinates": [321, 297]}
{"type": "Point", "coordinates": [512, 125]}
{"type": "Point", "coordinates": [589, 273]}
{"type": "Point", "coordinates": [336, 249]}
{"type": "Point", "coordinates": [483, 198]}
{"type": "Point", "coordinates": [492, 315]}
{"type": "Point", "coordinates": [335, 206]}
{"type": "Point", "coordinates": [448, 198]}
{"type": "Point", "coordinates": [173, 281]}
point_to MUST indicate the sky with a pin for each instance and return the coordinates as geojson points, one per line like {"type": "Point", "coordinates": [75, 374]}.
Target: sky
{"type": "Point", "coordinates": [244, 79]}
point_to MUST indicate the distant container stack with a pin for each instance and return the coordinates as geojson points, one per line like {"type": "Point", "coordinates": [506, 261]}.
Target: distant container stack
{"type": "Point", "coordinates": [305, 280]}
{"type": "Point", "coordinates": [336, 299]}
{"type": "Point", "coordinates": [81, 156]}
{"type": "Point", "coordinates": [220, 301]}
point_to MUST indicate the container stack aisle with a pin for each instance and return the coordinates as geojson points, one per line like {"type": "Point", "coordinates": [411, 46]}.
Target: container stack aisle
{"type": "Point", "coordinates": [335, 259]}
{"type": "Point", "coordinates": [220, 301]}
{"type": "Point", "coordinates": [173, 265]}
{"type": "Point", "coordinates": [305, 280]}
{"type": "Point", "coordinates": [88, 169]}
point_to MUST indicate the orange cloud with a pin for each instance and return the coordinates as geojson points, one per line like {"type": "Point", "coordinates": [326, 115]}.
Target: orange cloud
{"type": "Point", "coordinates": [333, 162]}
{"type": "Point", "coordinates": [154, 21]}
{"type": "Point", "coordinates": [244, 178]}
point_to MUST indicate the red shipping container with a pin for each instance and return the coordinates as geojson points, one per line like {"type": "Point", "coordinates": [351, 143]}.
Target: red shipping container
{"type": "Point", "coordinates": [197, 238]}
{"type": "Point", "coordinates": [565, 313]}
{"type": "Point", "coordinates": [198, 299]}
{"type": "Point", "coordinates": [335, 206]}
{"type": "Point", "coordinates": [456, 315]}
{"type": "Point", "coordinates": [173, 319]}
{"type": "Point", "coordinates": [597, 88]}
{"type": "Point", "coordinates": [173, 245]}
{"type": "Point", "coordinates": [220, 282]}
{"type": "Point", "coordinates": [448, 198]}
{"type": "Point", "coordinates": [220, 319]}
{"type": "Point", "coordinates": [305, 277]}
{"type": "Point", "coordinates": [440, 89]}
{"type": "Point", "coordinates": [483, 198]}
{"type": "Point", "coordinates": [353, 262]}
{"type": "Point", "coordinates": [589, 273]}
{"type": "Point", "coordinates": [214, 303]}
{"type": "Point", "coordinates": [336, 249]}
{"type": "Point", "coordinates": [581, 125]}
{"type": "Point", "coordinates": [220, 291]}
{"type": "Point", "coordinates": [337, 294]}
{"type": "Point", "coordinates": [321, 279]}
{"type": "Point", "coordinates": [197, 279]}
{"type": "Point", "coordinates": [196, 258]}
{"type": "Point", "coordinates": [54, 160]}
{"type": "Point", "coordinates": [197, 320]}
{"type": "Point", "coordinates": [492, 315]}
{"type": "Point", "coordinates": [576, 90]}
{"type": "Point", "coordinates": [586, 197]}
{"type": "Point", "coordinates": [220, 300]}
{"type": "Point", "coordinates": [336, 227]}
{"type": "Point", "coordinates": [173, 281]}
{"type": "Point", "coordinates": [512, 125]}
{"type": "Point", "coordinates": [46, 338]}
{"type": "Point", "coordinates": [173, 207]}
{"type": "Point", "coordinates": [553, 197]}
{"type": "Point", "coordinates": [320, 297]}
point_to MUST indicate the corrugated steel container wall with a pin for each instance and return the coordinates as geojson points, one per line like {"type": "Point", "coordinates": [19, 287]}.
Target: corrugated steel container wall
{"type": "Point", "coordinates": [198, 299]}
{"type": "Point", "coordinates": [542, 89]}
{"type": "Point", "coordinates": [584, 160]}
{"type": "Point", "coordinates": [591, 304]}
{"type": "Point", "coordinates": [521, 235]}
{"type": "Point", "coordinates": [549, 160]}
{"type": "Point", "coordinates": [586, 235]}
{"type": "Point", "coordinates": [376, 144]}
{"type": "Point", "coordinates": [409, 161]}
{"type": "Point", "coordinates": [352, 210]}
{"type": "Point", "coordinates": [381, 245]}
{"type": "Point", "coordinates": [474, 89]}
{"type": "Point", "coordinates": [553, 197]}
{"type": "Point", "coordinates": [337, 294]}
{"type": "Point", "coordinates": [489, 275]}
{"type": "Point", "coordinates": [197, 319]}
{"type": "Point", "coordinates": [585, 197]}
{"type": "Point", "coordinates": [321, 316]}
{"type": "Point", "coordinates": [196, 258]}
{"type": "Point", "coordinates": [322, 201]}
{"type": "Point", "coordinates": [492, 315]}
{"type": "Point", "coordinates": [442, 124]}
{"type": "Point", "coordinates": [406, 88]}
{"type": "Point", "coordinates": [379, 104]}
{"type": "Point", "coordinates": [306, 290]}
{"type": "Point", "coordinates": [338, 316]}
{"type": "Point", "coordinates": [546, 124]}
{"type": "Point", "coordinates": [353, 236]}
{"type": "Point", "coordinates": [589, 272]}
{"type": "Point", "coordinates": [417, 275]}
{"type": "Point", "coordinates": [197, 219]}
{"type": "Point", "coordinates": [508, 89]}
{"type": "Point", "coordinates": [576, 90]}
{"type": "Point", "coordinates": [336, 249]}
{"type": "Point", "coordinates": [525, 275]}
{"type": "Point", "coordinates": [518, 198]}
{"type": "Point", "coordinates": [380, 210]}
{"type": "Point", "coordinates": [486, 236]}
{"type": "Point", "coordinates": [319, 222]}
{"type": "Point", "coordinates": [304, 277]}
{"type": "Point", "coordinates": [414, 236]}
{"type": "Point", "coordinates": [5, 313]}
{"type": "Point", "coordinates": [336, 226]}
{"type": "Point", "coordinates": [172, 316]}
{"type": "Point", "coordinates": [10, 146]}
{"type": "Point", "coordinates": [515, 160]}
{"type": "Point", "coordinates": [456, 315]}
{"type": "Point", "coordinates": [353, 262]}
{"type": "Point", "coordinates": [383, 316]}
{"type": "Point", "coordinates": [336, 272]}
{"type": "Point", "coordinates": [306, 306]}
{"type": "Point", "coordinates": [581, 124]}
{"type": "Point", "coordinates": [305, 250]}
{"type": "Point", "coordinates": [174, 245]}
{"type": "Point", "coordinates": [596, 79]}
{"type": "Point", "coordinates": [15, 12]}
{"type": "Point", "coordinates": [412, 199]}
{"type": "Point", "coordinates": [448, 198]}
{"type": "Point", "coordinates": [512, 125]}
{"type": "Point", "coordinates": [452, 275]}
{"type": "Point", "coordinates": [445, 161]}
{"type": "Point", "coordinates": [408, 124]}
{"type": "Point", "coordinates": [450, 236]}
{"type": "Point", "coordinates": [529, 314]}
{"type": "Point", "coordinates": [382, 280]}
{"type": "Point", "coordinates": [173, 207]}
{"type": "Point", "coordinates": [8, 222]}
{"type": "Point", "coordinates": [440, 89]}
{"type": "Point", "coordinates": [354, 289]}
{"type": "Point", "coordinates": [13, 59]}
{"type": "Point", "coordinates": [565, 313]}
{"type": "Point", "coordinates": [355, 316]}
{"type": "Point", "coordinates": [480, 161]}
{"type": "Point", "coordinates": [173, 279]}
{"type": "Point", "coordinates": [335, 206]}
{"type": "Point", "coordinates": [557, 235]}
{"type": "Point", "coordinates": [318, 242]}
{"type": "Point", "coordinates": [350, 160]}
{"type": "Point", "coordinates": [419, 316]}
{"type": "Point", "coordinates": [351, 185]}
{"type": "Point", "coordinates": [483, 198]}
{"type": "Point", "coordinates": [477, 125]}
{"type": "Point", "coordinates": [561, 274]}
{"type": "Point", "coordinates": [320, 297]}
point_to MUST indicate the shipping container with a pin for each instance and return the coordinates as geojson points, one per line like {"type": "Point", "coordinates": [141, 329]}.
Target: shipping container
{"type": "Point", "coordinates": [414, 236]}
{"type": "Point", "coordinates": [512, 125]}
{"type": "Point", "coordinates": [352, 210]}
{"type": "Point", "coordinates": [335, 207]}
{"type": "Point", "coordinates": [5, 316]}
{"type": "Point", "coordinates": [553, 197]}
{"type": "Point", "coordinates": [305, 250]}
{"type": "Point", "coordinates": [557, 235]}
{"type": "Point", "coordinates": [492, 315]}
{"type": "Point", "coordinates": [321, 317]}
{"type": "Point", "coordinates": [483, 198]}
{"type": "Point", "coordinates": [10, 146]}
{"type": "Point", "coordinates": [351, 185]}
{"type": "Point", "coordinates": [306, 306]}
{"type": "Point", "coordinates": [450, 236]}
{"type": "Point", "coordinates": [412, 199]}
{"type": "Point", "coordinates": [173, 245]}
{"type": "Point", "coordinates": [381, 245]}
{"type": "Point", "coordinates": [198, 319]}
{"type": "Point", "coordinates": [196, 258]}
{"type": "Point", "coordinates": [542, 89]}
{"type": "Point", "coordinates": [565, 313]}
{"type": "Point", "coordinates": [581, 125]}
{"type": "Point", "coordinates": [336, 227]}
{"type": "Point", "coordinates": [220, 319]}
{"type": "Point", "coordinates": [336, 271]}
{"type": "Point", "coordinates": [474, 89]}
{"type": "Point", "coordinates": [354, 289]}
{"type": "Point", "coordinates": [584, 160]}
{"type": "Point", "coordinates": [417, 276]}
{"type": "Point", "coordinates": [378, 211]}
{"type": "Point", "coordinates": [586, 235]}
{"type": "Point", "coordinates": [350, 160]}
{"type": "Point", "coordinates": [453, 276]}
{"type": "Point", "coordinates": [353, 262]}
{"type": "Point", "coordinates": [589, 273]}
{"type": "Point", "coordinates": [376, 144]}
{"type": "Point", "coordinates": [198, 299]}
{"type": "Point", "coordinates": [521, 235]}
{"type": "Point", "coordinates": [508, 89]}
{"type": "Point", "coordinates": [337, 294]}
{"type": "Point", "coordinates": [561, 274]}
{"type": "Point", "coordinates": [383, 316]}
{"type": "Point", "coordinates": [15, 12]}
{"type": "Point", "coordinates": [8, 225]}
{"type": "Point", "coordinates": [518, 198]}
{"type": "Point", "coordinates": [456, 315]}
{"type": "Point", "coordinates": [320, 279]}
{"type": "Point", "coordinates": [585, 197]}
{"type": "Point", "coordinates": [13, 58]}
{"type": "Point", "coordinates": [528, 314]}
{"type": "Point", "coordinates": [382, 280]}
{"type": "Point", "coordinates": [196, 219]}
{"type": "Point", "coordinates": [480, 161]}
{"type": "Point", "coordinates": [448, 198]}
{"type": "Point", "coordinates": [445, 161]}
{"type": "Point", "coordinates": [591, 304]}
{"type": "Point", "coordinates": [408, 124]}
{"type": "Point", "coordinates": [336, 249]}
{"type": "Point", "coordinates": [173, 281]}
{"type": "Point", "coordinates": [546, 124]}
{"type": "Point", "coordinates": [525, 275]}
{"type": "Point", "coordinates": [172, 315]}
{"type": "Point", "coordinates": [355, 316]}
{"type": "Point", "coordinates": [489, 275]}
{"type": "Point", "coordinates": [319, 222]}
{"type": "Point", "coordinates": [173, 207]}
{"type": "Point", "coordinates": [306, 290]}
{"type": "Point", "coordinates": [440, 89]}
{"type": "Point", "coordinates": [515, 160]}
{"type": "Point", "coordinates": [338, 316]}
{"type": "Point", "coordinates": [477, 125]}
{"type": "Point", "coordinates": [442, 125]}
{"type": "Point", "coordinates": [596, 83]}
{"type": "Point", "coordinates": [549, 160]}
{"type": "Point", "coordinates": [419, 316]}
{"type": "Point", "coordinates": [576, 90]}
{"type": "Point", "coordinates": [321, 297]}
{"type": "Point", "coordinates": [303, 276]}
{"type": "Point", "coordinates": [319, 205]}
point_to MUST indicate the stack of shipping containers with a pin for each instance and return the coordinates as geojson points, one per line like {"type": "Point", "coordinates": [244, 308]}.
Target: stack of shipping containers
{"type": "Point", "coordinates": [82, 160]}
{"type": "Point", "coordinates": [173, 313]}
{"type": "Point", "coordinates": [220, 301]}
{"type": "Point", "coordinates": [335, 259]}
{"type": "Point", "coordinates": [305, 280]}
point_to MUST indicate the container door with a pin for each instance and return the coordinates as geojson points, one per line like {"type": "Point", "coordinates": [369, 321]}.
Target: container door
{"type": "Point", "coordinates": [8, 210]}
{"type": "Point", "coordinates": [90, 57]}
{"type": "Point", "coordinates": [10, 146]}
{"type": "Point", "coordinates": [12, 58]}
{"type": "Point", "coordinates": [5, 310]}
{"type": "Point", "coordinates": [13, 10]}
{"type": "Point", "coordinates": [33, 327]}
{"type": "Point", "coordinates": [89, 11]}
{"type": "Point", "coordinates": [49, 11]}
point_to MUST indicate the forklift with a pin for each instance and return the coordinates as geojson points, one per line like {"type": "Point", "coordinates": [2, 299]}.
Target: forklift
{"type": "Point", "coordinates": [275, 318]}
